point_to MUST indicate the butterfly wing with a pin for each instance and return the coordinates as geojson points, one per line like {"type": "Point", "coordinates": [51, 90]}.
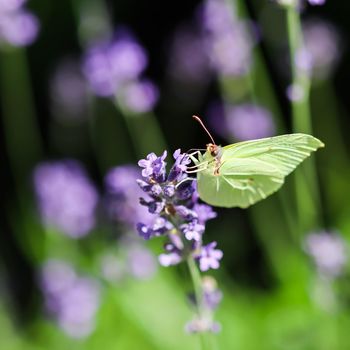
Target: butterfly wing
{"type": "Point", "coordinates": [252, 170]}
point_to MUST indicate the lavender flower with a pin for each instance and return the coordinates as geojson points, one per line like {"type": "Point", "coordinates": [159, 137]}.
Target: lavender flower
{"type": "Point", "coordinates": [304, 61]}
{"type": "Point", "coordinates": [114, 69]}
{"type": "Point", "coordinates": [209, 257]}
{"type": "Point", "coordinates": [140, 96]}
{"type": "Point", "coordinates": [246, 122]}
{"type": "Point", "coordinates": [328, 251]}
{"type": "Point", "coordinates": [181, 220]}
{"type": "Point", "coordinates": [140, 262]}
{"type": "Point", "coordinates": [108, 66]}
{"type": "Point", "coordinates": [229, 41]}
{"type": "Point", "coordinates": [18, 28]}
{"type": "Point", "coordinates": [132, 260]}
{"type": "Point", "coordinates": [317, 2]}
{"type": "Point", "coordinates": [211, 297]}
{"type": "Point", "coordinates": [123, 195]}
{"type": "Point", "coordinates": [295, 92]}
{"type": "Point", "coordinates": [67, 199]}
{"type": "Point", "coordinates": [69, 91]}
{"type": "Point", "coordinates": [7, 6]}
{"type": "Point", "coordinates": [71, 299]}
{"type": "Point", "coordinates": [322, 43]}
{"type": "Point", "coordinates": [176, 215]}
{"type": "Point", "coordinates": [188, 59]}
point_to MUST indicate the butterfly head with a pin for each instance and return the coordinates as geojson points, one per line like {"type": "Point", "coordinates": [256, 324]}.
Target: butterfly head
{"type": "Point", "coordinates": [214, 150]}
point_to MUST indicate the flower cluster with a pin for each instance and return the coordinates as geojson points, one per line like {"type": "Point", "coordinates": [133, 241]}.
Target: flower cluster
{"type": "Point", "coordinates": [115, 68]}
{"type": "Point", "coordinates": [179, 216]}
{"type": "Point", "coordinates": [229, 40]}
{"type": "Point", "coordinates": [18, 27]}
{"type": "Point", "coordinates": [316, 2]}
{"type": "Point", "coordinates": [323, 45]}
{"type": "Point", "coordinates": [241, 122]}
{"type": "Point", "coordinates": [71, 299]}
{"type": "Point", "coordinates": [121, 201]}
{"type": "Point", "coordinates": [67, 199]}
{"type": "Point", "coordinates": [134, 260]}
{"type": "Point", "coordinates": [122, 194]}
{"type": "Point", "coordinates": [211, 297]}
{"type": "Point", "coordinates": [188, 58]}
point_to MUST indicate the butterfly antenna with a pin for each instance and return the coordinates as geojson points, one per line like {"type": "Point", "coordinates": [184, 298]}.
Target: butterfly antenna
{"type": "Point", "coordinates": [203, 126]}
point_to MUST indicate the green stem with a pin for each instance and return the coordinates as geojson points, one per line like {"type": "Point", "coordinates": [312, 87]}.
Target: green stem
{"type": "Point", "coordinates": [306, 180]}
{"type": "Point", "coordinates": [23, 144]}
{"type": "Point", "coordinates": [197, 286]}
{"type": "Point", "coordinates": [144, 131]}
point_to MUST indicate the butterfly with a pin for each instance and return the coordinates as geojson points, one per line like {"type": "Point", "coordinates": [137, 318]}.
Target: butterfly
{"type": "Point", "coordinates": [243, 173]}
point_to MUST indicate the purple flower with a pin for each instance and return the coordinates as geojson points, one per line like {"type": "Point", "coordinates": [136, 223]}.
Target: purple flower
{"type": "Point", "coordinates": [209, 257]}
{"type": "Point", "coordinates": [246, 122]}
{"type": "Point", "coordinates": [156, 207]}
{"type": "Point", "coordinates": [328, 251]}
{"type": "Point", "coordinates": [122, 196]}
{"type": "Point", "coordinates": [211, 297]}
{"type": "Point", "coordinates": [228, 40]}
{"type": "Point", "coordinates": [127, 56]}
{"type": "Point", "coordinates": [56, 276]}
{"type": "Point", "coordinates": [188, 59]}
{"type": "Point", "coordinates": [140, 262]}
{"type": "Point", "coordinates": [202, 325]}
{"type": "Point", "coordinates": [323, 45]}
{"type": "Point", "coordinates": [216, 16]}
{"type": "Point", "coordinates": [317, 2]}
{"type": "Point", "coordinates": [180, 165]}
{"type": "Point", "coordinates": [295, 92]}
{"type": "Point", "coordinates": [169, 259]}
{"type": "Point", "coordinates": [185, 190]}
{"type": "Point", "coordinates": [69, 92]}
{"type": "Point", "coordinates": [186, 213]}
{"type": "Point", "coordinates": [181, 221]}
{"type": "Point", "coordinates": [144, 231]}
{"type": "Point", "coordinates": [11, 5]}
{"type": "Point", "coordinates": [67, 199]}
{"type": "Point", "coordinates": [159, 226]}
{"type": "Point", "coordinates": [204, 212]}
{"type": "Point", "coordinates": [140, 96]}
{"type": "Point", "coordinates": [72, 300]}
{"type": "Point", "coordinates": [109, 66]}
{"type": "Point", "coordinates": [153, 166]}
{"type": "Point", "coordinates": [179, 215]}
{"type": "Point", "coordinates": [169, 190]}
{"type": "Point", "coordinates": [192, 231]}
{"type": "Point", "coordinates": [231, 52]}
{"type": "Point", "coordinates": [19, 28]}
{"type": "Point", "coordinates": [303, 60]}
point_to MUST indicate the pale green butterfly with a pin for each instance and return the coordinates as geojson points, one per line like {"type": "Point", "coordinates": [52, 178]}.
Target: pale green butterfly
{"type": "Point", "coordinates": [244, 173]}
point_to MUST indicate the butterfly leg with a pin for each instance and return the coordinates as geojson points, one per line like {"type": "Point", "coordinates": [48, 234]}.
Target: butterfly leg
{"type": "Point", "coordinates": [218, 165]}
{"type": "Point", "coordinates": [197, 168]}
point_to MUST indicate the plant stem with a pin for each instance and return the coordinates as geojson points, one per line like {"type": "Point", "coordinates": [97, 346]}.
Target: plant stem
{"type": "Point", "coordinates": [197, 286]}
{"type": "Point", "coordinates": [306, 181]}
{"type": "Point", "coordinates": [144, 131]}
{"type": "Point", "coordinates": [23, 144]}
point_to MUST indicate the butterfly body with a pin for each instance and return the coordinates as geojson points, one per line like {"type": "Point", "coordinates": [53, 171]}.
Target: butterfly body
{"type": "Point", "coordinates": [243, 173]}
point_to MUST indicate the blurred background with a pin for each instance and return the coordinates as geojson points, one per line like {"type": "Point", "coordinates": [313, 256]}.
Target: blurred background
{"type": "Point", "coordinates": [89, 87]}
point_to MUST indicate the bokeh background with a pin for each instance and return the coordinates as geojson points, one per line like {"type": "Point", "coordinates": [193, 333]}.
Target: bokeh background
{"type": "Point", "coordinates": [73, 272]}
